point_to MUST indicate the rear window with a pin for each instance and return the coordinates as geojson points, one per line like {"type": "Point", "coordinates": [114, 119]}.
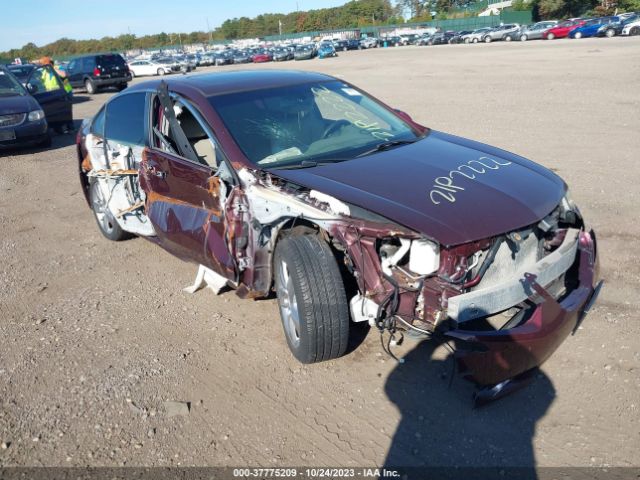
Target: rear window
{"type": "Point", "coordinates": [110, 60]}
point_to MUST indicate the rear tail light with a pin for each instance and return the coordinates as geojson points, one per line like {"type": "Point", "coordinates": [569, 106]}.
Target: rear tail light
{"type": "Point", "coordinates": [96, 72]}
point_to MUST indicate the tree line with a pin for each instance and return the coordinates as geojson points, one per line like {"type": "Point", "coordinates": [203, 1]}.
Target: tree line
{"type": "Point", "coordinates": [353, 14]}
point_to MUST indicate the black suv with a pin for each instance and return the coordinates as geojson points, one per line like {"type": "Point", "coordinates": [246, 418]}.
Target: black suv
{"type": "Point", "coordinates": [92, 72]}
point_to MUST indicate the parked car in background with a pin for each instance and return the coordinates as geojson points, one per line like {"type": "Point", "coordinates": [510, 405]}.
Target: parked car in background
{"type": "Point", "coordinates": [369, 42]}
{"type": "Point", "coordinates": [261, 56]}
{"type": "Point", "coordinates": [240, 56]}
{"type": "Point", "coordinates": [186, 65]}
{"type": "Point", "coordinates": [139, 68]}
{"type": "Point", "coordinates": [440, 38]}
{"type": "Point", "coordinates": [282, 55]}
{"type": "Point", "coordinates": [28, 110]}
{"type": "Point", "coordinates": [590, 27]}
{"type": "Point", "coordinates": [476, 35]}
{"type": "Point", "coordinates": [409, 38]}
{"type": "Point", "coordinates": [458, 37]}
{"type": "Point", "coordinates": [563, 29]}
{"type": "Point", "coordinates": [93, 72]}
{"type": "Point", "coordinates": [535, 31]}
{"type": "Point", "coordinates": [326, 50]}
{"type": "Point", "coordinates": [349, 44]}
{"type": "Point", "coordinates": [22, 119]}
{"type": "Point", "coordinates": [631, 26]}
{"type": "Point", "coordinates": [257, 178]}
{"type": "Point", "coordinates": [304, 52]}
{"type": "Point", "coordinates": [424, 39]}
{"type": "Point", "coordinates": [394, 41]}
{"type": "Point", "coordinates": [501, 32]}
{"type": "Point", "coordinates": [21, 72]}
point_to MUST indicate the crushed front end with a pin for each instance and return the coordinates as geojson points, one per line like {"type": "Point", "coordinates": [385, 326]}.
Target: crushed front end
{"type": "Point", "coordinates": [506, 303]}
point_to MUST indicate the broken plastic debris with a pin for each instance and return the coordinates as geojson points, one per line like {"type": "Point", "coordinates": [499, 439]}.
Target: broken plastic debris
{"type": "Point", "coordinates": [207, 278]}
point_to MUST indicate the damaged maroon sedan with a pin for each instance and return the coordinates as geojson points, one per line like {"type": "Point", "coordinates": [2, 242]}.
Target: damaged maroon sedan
{"type": "Point", "coordinates": [303, 184]}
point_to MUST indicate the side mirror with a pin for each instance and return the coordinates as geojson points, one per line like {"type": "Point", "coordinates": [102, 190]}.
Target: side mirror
{"type": "Point", "coordinates": [31, 88]}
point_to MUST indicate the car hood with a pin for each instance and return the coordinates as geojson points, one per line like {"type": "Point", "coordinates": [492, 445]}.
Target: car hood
{"type": "Point", "coordinates": [17, 104]}
{"type": "Point", "coordinates": [448, 188]}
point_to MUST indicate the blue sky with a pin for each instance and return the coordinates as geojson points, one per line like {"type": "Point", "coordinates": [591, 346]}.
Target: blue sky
{"type": "Point", "coordinates": [43, 21]}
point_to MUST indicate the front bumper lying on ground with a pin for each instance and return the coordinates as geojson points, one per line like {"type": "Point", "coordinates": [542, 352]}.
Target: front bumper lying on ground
{"type": "Point", "coordinates": [493, 356]}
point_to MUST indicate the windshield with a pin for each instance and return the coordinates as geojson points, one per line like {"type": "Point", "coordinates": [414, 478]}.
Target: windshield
{"type": "Point", "coordinates": [315, 122]}
{"type": "Point", "coordinates": [110, 60]}
{"type": "Point", "coordinates": [9, 86]}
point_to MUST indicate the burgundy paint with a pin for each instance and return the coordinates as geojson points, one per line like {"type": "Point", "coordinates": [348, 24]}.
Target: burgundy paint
{"type": "Point", "coordinates": [514, 351]}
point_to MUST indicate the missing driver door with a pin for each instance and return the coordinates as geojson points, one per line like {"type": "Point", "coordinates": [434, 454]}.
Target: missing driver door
{"type": "Point", "coordinates": [185, 200]}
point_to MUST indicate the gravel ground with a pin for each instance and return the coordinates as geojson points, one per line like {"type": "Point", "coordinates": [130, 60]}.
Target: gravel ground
{"type": "Point", "coordinates": [99, 338]}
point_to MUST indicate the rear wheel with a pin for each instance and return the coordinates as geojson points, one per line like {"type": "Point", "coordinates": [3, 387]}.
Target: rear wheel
{"type": "Point", "coordinates": [89, 86]}
{"type": "Point", "coordinates": [524, 38]}
{"type": "Point", "coordinates": [610, 33]}
{"type": "Point", "coordinates": [121, 86]}
{"type": "Point", "coordinates": [311, 298]}
{"type": "Point", "coordinates": [475, 40]}
{"type": "Point", "coordinates": [550, 36]}
{"type": "Point", "coordinates": [487, 39]}
{"type": "Point", "coordinates": [507, 38]}
{"type": "Point", "coordinates": [578, 35]}
{"type": "Point", "coordinates": [635, 31]}
{"type": "Point", "coordinates": [106, 222]}
{"type": "Point", "coordinates": [161, 71]}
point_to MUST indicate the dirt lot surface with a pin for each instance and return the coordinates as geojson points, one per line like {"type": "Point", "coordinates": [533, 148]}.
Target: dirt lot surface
{"type": "Point", "coordinates": [98, 336]}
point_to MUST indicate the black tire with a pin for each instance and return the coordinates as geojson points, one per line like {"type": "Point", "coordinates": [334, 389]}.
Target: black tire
{"type": "Point", "coordinates": [634, 31]}
{"type": "Point", "coordinates": [89, 86]}
{"type": "Point", "coordinates": [121, 86]}
{"type": "Point", "coordinates": [319, 298]}
{"type": "Point", "coordinates": [161, 71]}
{"type": "Point", "coordinates": [108, 225]}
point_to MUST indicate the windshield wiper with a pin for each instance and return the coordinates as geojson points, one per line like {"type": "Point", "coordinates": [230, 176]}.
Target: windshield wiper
{"type": "Point", "coordinates": [385, 146]}
{"type": "Point", "coordinates": [307, 164]}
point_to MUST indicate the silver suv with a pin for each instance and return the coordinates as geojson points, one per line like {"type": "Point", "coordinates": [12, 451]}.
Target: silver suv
{"type": "Point", "coordinates": [498, 33]}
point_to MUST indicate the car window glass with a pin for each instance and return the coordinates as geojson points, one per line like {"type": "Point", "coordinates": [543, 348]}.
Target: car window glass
{"type": "Point", "coordinates": [88, 64]}
{"type": "Point", "coordinates": [45, 80]}
{"type": "Point", "coordinates": [97, 125]}
{"type": "Point", "coordinates": [126, 119]}
{"type": "Point", "coordinates": [72, 65]}
{"type": "Point", "coordinates": [287, 125]}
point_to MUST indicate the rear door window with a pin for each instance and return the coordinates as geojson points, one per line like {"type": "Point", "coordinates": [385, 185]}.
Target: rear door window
{"type": "Point", "coordinates": [126, 119]}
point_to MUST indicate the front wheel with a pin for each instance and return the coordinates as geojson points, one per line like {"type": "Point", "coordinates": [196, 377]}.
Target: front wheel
{"type": "Point", "coordinates": [550, 36]}
{"type": "Point", "coordinates": [578, 35]}
{"type": "Point", "coordinates": [507, 38]}
{"type": "Point", "coordinates": [475, 40]}
{"type": "Point", "coordinates": [311, 298]}
{"type": "Point", "coordinates": [487, 39]}
{"type": "Point", "coordinates": [524, 38]}
{"type": "Point", "coordinates": [161, 71]}
{"type": "Point", "coordinates": [106, 222]}
{"type": "Point", "coordinates": [635, 31]}
{"type": "Point", "coordinates": [610, 33]}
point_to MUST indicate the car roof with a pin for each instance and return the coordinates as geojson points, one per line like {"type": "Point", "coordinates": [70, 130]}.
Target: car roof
{"type": "Point", "coordinates": [211, 84]}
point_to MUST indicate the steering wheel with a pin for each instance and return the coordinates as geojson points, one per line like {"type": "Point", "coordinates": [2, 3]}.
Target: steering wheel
{"type": "Point", "coordinates": [334, 126]}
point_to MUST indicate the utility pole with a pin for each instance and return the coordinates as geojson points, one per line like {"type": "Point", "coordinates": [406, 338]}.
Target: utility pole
{"type": "Point", "coordinates": [279, 27]}
{"type": "Point", "coordinates": [209, 30]}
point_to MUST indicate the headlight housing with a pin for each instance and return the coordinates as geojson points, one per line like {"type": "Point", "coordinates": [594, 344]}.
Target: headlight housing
{"type": "Point", "coordinates": [36, 116]}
